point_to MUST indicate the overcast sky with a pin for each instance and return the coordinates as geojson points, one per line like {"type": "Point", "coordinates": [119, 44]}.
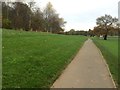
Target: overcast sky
{"type": "Point", "coordinates": [81, 14]}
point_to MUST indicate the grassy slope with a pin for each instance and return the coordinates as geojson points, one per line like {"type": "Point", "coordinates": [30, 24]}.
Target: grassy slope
{"type": "Point", "coordinates": [109, 49]}
{"type": "Point", "coordinates": [33, 59]}
{"type": "Point", "coordinates": [0, 58]}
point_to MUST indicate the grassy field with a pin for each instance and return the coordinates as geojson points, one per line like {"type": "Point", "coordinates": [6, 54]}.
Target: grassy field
{"type": "Point", "coordinates": [35, 59]}
{"type": "Point", "coordinates": [109, 49]}
{"type": "Point", "coordinates": [0, 58]}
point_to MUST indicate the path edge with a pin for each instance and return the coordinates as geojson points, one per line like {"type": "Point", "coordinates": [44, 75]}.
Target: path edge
{"type": "Point", "coordinates": [68, 63]}
{"type": "Point", "coordinates": [104, 60]}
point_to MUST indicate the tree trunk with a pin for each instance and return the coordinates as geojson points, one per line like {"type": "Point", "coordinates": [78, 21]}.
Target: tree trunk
{"type": "Point", "coordinates": [105, 37]}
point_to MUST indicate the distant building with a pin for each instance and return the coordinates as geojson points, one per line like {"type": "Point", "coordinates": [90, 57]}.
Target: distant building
{"type": "Point", "coordinates": [119, 11]}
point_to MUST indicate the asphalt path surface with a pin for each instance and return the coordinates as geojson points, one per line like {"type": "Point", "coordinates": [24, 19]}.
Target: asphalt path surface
{"type": "Point", "coordinates": [87, 70]}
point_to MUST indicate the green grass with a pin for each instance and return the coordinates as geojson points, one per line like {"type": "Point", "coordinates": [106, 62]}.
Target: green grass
{"type": "Point", "coordinates": [109, 49]}
{"type": "Point", "coordinates": [0, 58]}
{"type": "Point", "coordinates": [36, 59]}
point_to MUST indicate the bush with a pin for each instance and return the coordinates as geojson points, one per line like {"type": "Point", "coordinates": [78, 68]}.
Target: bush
{"type": "Point", "coordinates": [6, 23]}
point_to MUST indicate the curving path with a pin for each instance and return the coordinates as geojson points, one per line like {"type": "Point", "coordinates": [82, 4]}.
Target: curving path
{"type": "Point", "coordinates": [87, 70]}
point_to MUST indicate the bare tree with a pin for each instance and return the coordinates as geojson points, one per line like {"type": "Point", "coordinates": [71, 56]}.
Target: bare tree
{"type": "Point", "coordinates": [54, 23]}
{"type": "Point", "coordinates": [31, 5]}
{"type": "Point", "coordinates": [49, 12]}
{"type": "Point", "coordinates": [106, 21]}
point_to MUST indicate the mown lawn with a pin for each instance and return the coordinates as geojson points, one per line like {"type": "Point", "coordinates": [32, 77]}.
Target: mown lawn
{"type": "Point", "coordinates": [109, 49]}
{"type": "Point", "coordinates": [35, 59]}
{"type": "Point", "coordinates": [0, 58]}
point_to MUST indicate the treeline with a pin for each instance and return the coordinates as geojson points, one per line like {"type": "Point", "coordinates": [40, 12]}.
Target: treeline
{"type": "Point", "coordinates": [112, 31]}
{"type": "Point", "coordinates": [28, 17]}
{"type": "Point", "coordinates": [105, 25]}
{"type": "Point", "coordinates": [97, 31]}
{"type": "Point", "coordinates": [76, 32]}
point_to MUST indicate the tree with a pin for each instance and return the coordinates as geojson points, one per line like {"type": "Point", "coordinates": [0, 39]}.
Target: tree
{"type": "Point", "coordinates": [57, 24]}
{"type": "Point", "coordinates": [6, 9]}
{"type": "Point", "coordinates": [37, 21]}
{"type": "Point", "coordinates": [21, 16]}
{"type": "Point", "coordinates": [91, 33]}
{"type": "Point", "coordinates": [53, 22]}
{"type": "Point", "coordinates": [72, 32]}
{"type": "Point", "coordinates": [31, 5]}
{"type": "Point", "coordinates": [105, 22]}
{"type": "Point", "coordinates": [98, 30]}
{"type": "Point", "coordinates": [48, 14]}
{"type": "Point", "coordinates": [118, 28]}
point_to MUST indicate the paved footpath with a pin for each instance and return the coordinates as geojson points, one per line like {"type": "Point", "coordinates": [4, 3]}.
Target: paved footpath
{"type": "Point", "coordinates": [87, 70]}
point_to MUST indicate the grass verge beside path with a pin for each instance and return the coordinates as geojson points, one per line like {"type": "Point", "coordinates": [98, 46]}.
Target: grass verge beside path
{"type": "Point", "coordinates": [109, 49]}
{"type": "Point", "coordinates": [35, 59]}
